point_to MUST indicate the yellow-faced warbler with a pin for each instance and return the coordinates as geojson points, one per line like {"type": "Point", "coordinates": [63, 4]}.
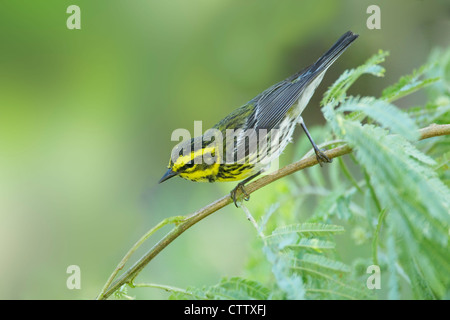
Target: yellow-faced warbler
{"type": "Point", "coordinates": [243, 144]}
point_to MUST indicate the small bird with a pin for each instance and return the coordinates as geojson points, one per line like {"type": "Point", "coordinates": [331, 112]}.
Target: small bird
{"type": "Point", "coordinates": [243, 144]}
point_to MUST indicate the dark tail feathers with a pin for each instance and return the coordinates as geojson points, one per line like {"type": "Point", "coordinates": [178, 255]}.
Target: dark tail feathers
{"type": "Point", "coordinates": [334, 52]}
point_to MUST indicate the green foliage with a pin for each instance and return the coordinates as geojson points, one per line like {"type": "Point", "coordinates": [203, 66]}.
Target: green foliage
{"type": "Point", "coordinates": [391, 196]}
{"type": "Point", "coordinates": [408, 84]}
{"type": "Point", "coordinates": [338, 91]}
{"type": "Point", "coordinates": [228, 288]}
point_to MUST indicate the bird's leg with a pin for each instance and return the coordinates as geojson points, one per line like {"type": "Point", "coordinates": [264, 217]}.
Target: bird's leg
{"type": "Point", "coordinates": [240, 186]}
{"type": "Point", "coordinates": [321, 157]}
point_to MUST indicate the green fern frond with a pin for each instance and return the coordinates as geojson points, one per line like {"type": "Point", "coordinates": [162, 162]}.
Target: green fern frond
{"type": "Point", "coordinates": [439, 62]}
{"type": "Point", "coordinates": [335, 293]}
{"type": "Point", "coordinates": [312, 243]}
{"type": "Point", "coordinates": [433, 112]}
{"type": "Point", "coordinates": [393, 281]}
{"type": "Point", "coordinates": [408, 84]}
{"type": "Point", "coordinates": [442, 164]}
{"type": "Point", "coordinates": [320, 262]}
{"type": "Point", "coordinates": [337, 91]}
{"type": "Point", "coordinates": [290, 284]}
{"type": "Point", "coordinates": [237, 288]}
{"type": "Point", "coordinates": [307, 229]}
{"type": "Point", "coordinates": [416, 199]}
{"type": "Point", "coordinates": [190, 293]}
{"type": "Point", "coordinates": [234, 288]}
{"type": "Point", "coordinates": [384, 113]}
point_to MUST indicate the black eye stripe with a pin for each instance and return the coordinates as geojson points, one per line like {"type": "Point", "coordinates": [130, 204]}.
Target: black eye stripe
{"type": "Point", "coordinates": [194, 162]}
{"type": "Point", "coordinates": [189, 165]}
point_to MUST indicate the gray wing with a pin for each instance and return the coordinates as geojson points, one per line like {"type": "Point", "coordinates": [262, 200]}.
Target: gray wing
{"type": "Point", "coordinates": [273, 104]}
{"type": "Point", "coordinates": [270, 107]}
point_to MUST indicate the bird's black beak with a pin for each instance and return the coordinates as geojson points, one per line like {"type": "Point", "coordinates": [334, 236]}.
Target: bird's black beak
{"type": "Point", "coordinates": [169, 174]}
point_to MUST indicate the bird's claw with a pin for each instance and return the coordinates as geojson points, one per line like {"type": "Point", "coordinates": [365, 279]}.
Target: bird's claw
{"type": "Point", "coordinates": [322, 157]}
{"type": "Point", "coordinates": [241, 188]}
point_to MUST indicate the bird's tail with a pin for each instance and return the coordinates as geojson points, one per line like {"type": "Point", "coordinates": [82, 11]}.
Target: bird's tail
{"type": "Point", "coordinates": [334, 52]}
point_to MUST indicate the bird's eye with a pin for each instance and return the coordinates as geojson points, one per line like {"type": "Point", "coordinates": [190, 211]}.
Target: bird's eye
{"type": "Point", "coordinates": [189, 165]}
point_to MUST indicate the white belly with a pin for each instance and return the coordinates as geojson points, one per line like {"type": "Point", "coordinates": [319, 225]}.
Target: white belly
{"type": "Point", "coordinates": [306, 95]}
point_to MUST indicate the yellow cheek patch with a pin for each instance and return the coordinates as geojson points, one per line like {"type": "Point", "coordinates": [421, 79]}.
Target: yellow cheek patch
{"type": "Point", "coordinates": [202, 175]}
{"type": "Point", "coordinates": [183, 160]}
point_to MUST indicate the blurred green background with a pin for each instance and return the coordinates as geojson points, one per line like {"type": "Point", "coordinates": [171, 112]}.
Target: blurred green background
{"type": "Point", "coordinates": [86, 118]}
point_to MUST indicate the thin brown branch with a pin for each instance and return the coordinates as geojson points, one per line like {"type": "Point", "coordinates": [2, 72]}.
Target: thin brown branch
{"type": "Point", "coordinates": [182, 225]}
